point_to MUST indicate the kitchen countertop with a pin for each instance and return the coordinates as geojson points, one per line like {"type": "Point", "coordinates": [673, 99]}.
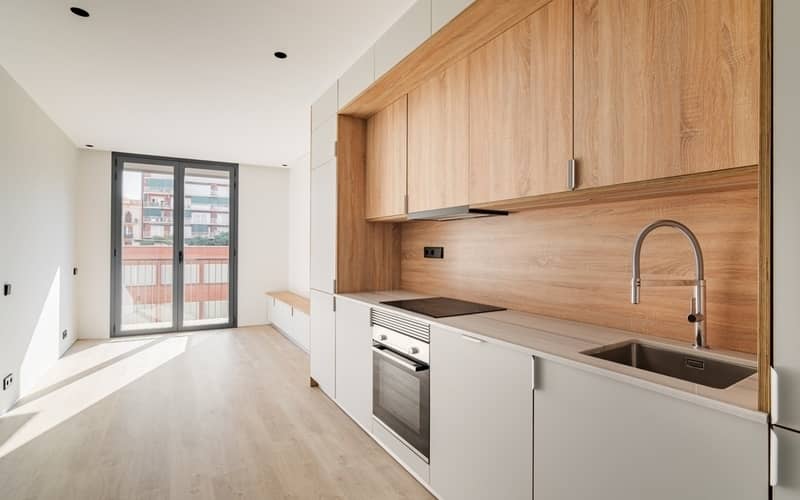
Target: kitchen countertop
{"type": "Point", "coordinates": [564, 341]}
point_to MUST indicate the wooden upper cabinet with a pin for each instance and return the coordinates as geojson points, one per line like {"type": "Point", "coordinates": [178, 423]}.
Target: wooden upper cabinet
{"type": "Point", "coordinates": [520, 108]}
{"type": "Point", "coordinates": [386, 161]}
{"type": "Point", "coordinates": [438, 141]}
{"type": "Point", "coordinates": [665, 87]}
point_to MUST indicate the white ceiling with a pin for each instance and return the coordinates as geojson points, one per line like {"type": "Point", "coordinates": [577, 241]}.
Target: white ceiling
{"type": "Point", "coordinates": [187, 78]}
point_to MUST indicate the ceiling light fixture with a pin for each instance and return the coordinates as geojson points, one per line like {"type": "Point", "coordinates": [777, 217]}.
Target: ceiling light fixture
{"type": "Point", "coordinates": [90, 145]}
{"type": "Point", "coordinates": [79, 12]}
{"type": "Point", "coordinates": [284, 165]}
{"type": "Point", "coordinates": [280, 54]}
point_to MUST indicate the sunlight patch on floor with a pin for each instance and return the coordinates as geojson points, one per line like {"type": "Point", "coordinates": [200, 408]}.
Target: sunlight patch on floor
{"type": "Point", "coordinates": [53, 408]}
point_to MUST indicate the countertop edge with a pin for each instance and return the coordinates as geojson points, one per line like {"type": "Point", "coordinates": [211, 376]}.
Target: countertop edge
{"type": "Point", "coordinates": [701, 400]}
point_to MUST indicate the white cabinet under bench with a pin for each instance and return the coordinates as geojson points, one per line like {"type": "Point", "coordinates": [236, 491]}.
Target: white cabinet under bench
{"type": "Point", "coordinates": [288, 313]}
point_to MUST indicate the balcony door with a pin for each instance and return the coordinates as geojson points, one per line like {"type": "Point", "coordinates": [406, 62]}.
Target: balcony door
{"type": "Point", "coordinates": [173, 248]}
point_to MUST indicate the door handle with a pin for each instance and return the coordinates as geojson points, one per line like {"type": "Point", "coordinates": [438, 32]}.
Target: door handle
{"type": "Point", "coordinates": [180, 257]}
{"type": "Point", "coordinates": [472, 339]}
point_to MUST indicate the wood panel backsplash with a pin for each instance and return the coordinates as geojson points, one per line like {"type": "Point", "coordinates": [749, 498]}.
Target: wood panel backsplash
{"type": "Point", "coordinates": [574, 262]}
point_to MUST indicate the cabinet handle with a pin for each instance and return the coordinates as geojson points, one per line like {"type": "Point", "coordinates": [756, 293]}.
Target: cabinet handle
{"type": "Point", "coordinates": [472, 339]}
{"type": "Point", "coordinates": [773, 395]}
{"type": "Point", "coordinates": [571, 174]}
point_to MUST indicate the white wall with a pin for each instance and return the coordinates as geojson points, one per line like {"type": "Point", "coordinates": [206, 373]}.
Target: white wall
{"type": "Point", "coordinates": [94, 240]}
{"type": "Point", "coordinates": [37, 251]}
{"type": "Point", "coordinates": [263, 236]}
{"type": "Point", "coordinates": [299, 220]}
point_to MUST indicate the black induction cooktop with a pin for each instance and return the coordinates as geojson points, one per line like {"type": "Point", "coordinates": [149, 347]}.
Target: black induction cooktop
{"type": "Point", "coordinates": [442, 307]}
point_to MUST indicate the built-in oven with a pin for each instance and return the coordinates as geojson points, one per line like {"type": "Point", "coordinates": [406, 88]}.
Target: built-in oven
{"type": "Point", "coordinates": [401, 379]}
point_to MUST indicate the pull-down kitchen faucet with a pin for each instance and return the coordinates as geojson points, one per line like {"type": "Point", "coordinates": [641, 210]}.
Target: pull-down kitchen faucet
{"type": "Point", "coordinates": [698, 309]}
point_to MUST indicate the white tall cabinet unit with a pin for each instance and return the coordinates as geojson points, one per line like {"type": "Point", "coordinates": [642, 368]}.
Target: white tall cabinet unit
{"type": "Point", "coordinates": [786, 251]}
{"type": "Point", "coordinates": [481, 419]}
{"type": "Point", "coordinates": [322, 270]}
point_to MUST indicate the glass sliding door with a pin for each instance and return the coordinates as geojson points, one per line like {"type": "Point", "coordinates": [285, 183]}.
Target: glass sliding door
{"type": "Point", "coordinates": [206, 246]}
{"type": "Point", "coordinates": [173, 245]}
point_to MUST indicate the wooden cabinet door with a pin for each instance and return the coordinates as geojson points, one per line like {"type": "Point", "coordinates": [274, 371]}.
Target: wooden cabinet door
{"type": "Point", "coordinates": [664, 88]}
{"type": "Point", "coordinates": [603, 439]}
{"type": "Point", "coordinates": [481, 419]}
{"type": "Point", "coordinates": [438, 141]}
{"type": "Point", "coordinates": [354, 360]}
{"type": "Point", "coordinates": [520, 107]}
{"type": "Point", "coordinates": [386, 161]}
{"type": "Point", "coordinates": [322, 267]}
{"type": "Point", "coordinates": [322, 329]}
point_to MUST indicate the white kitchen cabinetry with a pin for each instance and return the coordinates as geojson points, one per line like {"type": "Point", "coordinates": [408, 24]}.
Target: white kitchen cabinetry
{"type": "Point", "coordinates": [604, 439]}
{"type": "Point", "coordinates": [322, 267]}
{"type": "Point", "coordinates": [788, 487]}
{"type": "Point", "coordinates": [323, 341]}
{"type": "Point", "coordinates": [282, 316]}
{"type": "Point", "coordinates": [325, 107]}
{"type": "Point", "coordinates": [354, 360]}
{"type": "Point", "coordinates": [481, 414]}
{"type": "Point", "coordinates": [360, 76]}
{"type": "Point", "coordinates": [786, 208]}
{"type": "Point", "coordinates": [443, 11]}
{"type": "Point", "coordinates": [323, 142]}
{"type": "Point", "coordinates": [405, 35]}
{"type": "Point", "coordinates": [300, 328]}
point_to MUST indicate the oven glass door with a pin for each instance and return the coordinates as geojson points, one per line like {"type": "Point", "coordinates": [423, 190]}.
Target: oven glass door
{"type": "Point", "coordinates": [401, 397]}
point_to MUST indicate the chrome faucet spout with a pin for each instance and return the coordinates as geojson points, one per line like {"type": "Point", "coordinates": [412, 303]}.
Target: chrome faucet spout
{"type": "Point", "coordinates": [697, 314]}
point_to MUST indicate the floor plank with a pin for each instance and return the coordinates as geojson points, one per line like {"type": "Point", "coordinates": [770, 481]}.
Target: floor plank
{"type": "Point", "coordinates": [209, 415]}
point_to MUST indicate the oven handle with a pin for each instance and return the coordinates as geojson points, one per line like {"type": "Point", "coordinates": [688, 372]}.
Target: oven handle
{"type": "Point", "coordinates": [409, 365]}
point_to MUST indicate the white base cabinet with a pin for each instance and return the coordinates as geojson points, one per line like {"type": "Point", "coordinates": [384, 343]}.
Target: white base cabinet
{"type": "Point", "coordinates": [788, 487]}
{"type": "Point", "coordinates": [300, 329]}
{"type": "Point", "coordinates": [354, 360]}
{"type": "Point", "coordinates": [481, 415]}
{"type": "Point", "coordinates": [603, 439]}
{"type": "Point", "coordinates": [323, 341]}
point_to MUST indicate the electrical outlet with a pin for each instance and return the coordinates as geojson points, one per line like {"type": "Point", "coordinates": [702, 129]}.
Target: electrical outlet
{"type": "Point", "coordinates": [8, 380]}
{"type": "Point", "coordinates": [433, 252]}
{"type": "Point", "coordinates": [63, 335]}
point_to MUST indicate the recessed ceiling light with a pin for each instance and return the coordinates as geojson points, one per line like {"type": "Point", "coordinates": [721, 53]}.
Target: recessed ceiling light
{"type": "Point", "coordinates": [284, 165]}
{"type": "Point", "coordinates": [90, 145]}
{"type": "Point", "coordinates": [79, 12]}
{"type": "Point", "coordinates": [280, 54]}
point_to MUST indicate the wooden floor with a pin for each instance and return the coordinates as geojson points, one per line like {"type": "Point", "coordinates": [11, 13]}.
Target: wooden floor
{"type": "Point", "coordinates": [223, 414]}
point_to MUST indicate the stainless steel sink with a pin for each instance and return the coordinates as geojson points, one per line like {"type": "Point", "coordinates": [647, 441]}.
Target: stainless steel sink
{"type": "Point", "coordinates": [691, 367]}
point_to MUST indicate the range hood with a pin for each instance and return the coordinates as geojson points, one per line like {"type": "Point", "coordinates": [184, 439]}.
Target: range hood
{"type": "Point", "coordinates": [454, 213]}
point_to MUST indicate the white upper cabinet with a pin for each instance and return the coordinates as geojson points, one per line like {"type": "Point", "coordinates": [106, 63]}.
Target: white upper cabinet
{"type": "Point", "coordinates": [325, 107]}
{"type": "Point", "coordinates": [360, 76]}
{"type": "Point", "coordinates": [413, 28]}
{"type": "Point", "coordinates": [323, 142]}
{"type": "Point", "coordinates": [323, 227]}
{"type": "Point", "coordinates": [354, 360]}
{"type": "Point", "coordinates": [786, 206]}
{"type": "Point", "coordinates": [443, 11]}
{"type": "Point", "coordinates": [599, 438]}
{"type": "Point", "coordinates": [481, 419]}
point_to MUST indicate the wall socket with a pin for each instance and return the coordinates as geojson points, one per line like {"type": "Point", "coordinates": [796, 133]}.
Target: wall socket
{"type": "Point", "coordinates": [433, 252]}
{"type": "Point", "coordinates": [8, 380]}
{"type": "Point", "coordinates": [63, 335]}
